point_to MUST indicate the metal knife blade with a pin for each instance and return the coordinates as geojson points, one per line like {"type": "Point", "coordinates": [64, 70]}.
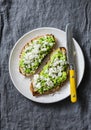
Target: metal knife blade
{"type": "Point", "coordinates": [69, 42]}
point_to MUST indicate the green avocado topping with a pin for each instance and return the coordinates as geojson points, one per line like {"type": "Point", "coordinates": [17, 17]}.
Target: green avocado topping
{"type": "Point", "coordinates": [34, 53]}
{"type": "Point", "coordinates": [53, 73]}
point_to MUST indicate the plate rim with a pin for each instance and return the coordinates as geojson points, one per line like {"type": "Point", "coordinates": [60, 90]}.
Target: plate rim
{"type": "Point", "coordinates": [11, 52]}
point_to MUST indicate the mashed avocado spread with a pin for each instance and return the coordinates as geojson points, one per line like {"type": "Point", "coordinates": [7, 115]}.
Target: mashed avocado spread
{"type": "Point", "coordinates": [53, 73]}
{"type": "Point", "coordinates": [33, 54]}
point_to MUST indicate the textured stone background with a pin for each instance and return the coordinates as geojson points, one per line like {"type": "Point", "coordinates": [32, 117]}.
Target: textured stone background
{"type": "Point", "coordinates": [20, 16]}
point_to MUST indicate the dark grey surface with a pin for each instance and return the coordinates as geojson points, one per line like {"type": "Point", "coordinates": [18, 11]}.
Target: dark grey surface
{"type": "Point", "coordinates": [18, 17]}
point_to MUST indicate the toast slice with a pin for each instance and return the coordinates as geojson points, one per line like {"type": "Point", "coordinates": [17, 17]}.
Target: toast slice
{"type": "Point", "coordinates": [34, 52]}
{"type": "Point", "coordinates": [53, 75]}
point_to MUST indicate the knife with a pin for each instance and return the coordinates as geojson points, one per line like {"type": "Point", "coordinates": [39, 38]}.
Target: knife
{"type": "Point", "coordinates": [70, 58]}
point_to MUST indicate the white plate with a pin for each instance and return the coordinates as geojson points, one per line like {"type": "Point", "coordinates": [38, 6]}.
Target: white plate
{"type": "Point", "coordinates": [23, 84]}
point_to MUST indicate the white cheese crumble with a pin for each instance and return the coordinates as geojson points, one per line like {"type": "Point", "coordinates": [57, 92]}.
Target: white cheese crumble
{"type": "Point", "coordinates": [51, 44]}
{"type": "Point", "coordinates": [36, 76]}
{"type": "Point", "coordinates": [54, 71]}
{"type": "Point", "coordinates": [30, 56]}
{"type": "Point", "coordinates": [57, 68]}
{"type": "Point", "coordinates": [60, 73]}
{"type": "Point", "coordinates": [45, 43]}
{"type": "Point", "coordinates": [33, 54]}
{"type": "Point", "coordinates": [38, 85]}
{"type": "Point", "coordinates": [49, 82]}
{"type": "Point", "coordinates": [28, 48]}
{"type": "Point", "coordinates": [44, 49]}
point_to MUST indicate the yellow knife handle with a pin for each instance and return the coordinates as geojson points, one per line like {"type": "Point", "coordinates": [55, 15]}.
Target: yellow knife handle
{"type": "Point", "coordinates": [73, 86]}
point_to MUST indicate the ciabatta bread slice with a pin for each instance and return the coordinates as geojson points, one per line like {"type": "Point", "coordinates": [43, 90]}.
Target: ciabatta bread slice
{"type": "Point", "coordinates": [53, 75]}
{"type": "Point", "coordinates": [34, 52]}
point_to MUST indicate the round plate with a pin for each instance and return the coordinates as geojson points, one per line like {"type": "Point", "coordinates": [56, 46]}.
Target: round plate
{"type": "Point", "coordinates": [23, 84]}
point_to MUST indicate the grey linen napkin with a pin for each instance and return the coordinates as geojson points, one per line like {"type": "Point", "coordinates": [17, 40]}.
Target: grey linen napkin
{"type": "Point", "coordinates": [18, 17]}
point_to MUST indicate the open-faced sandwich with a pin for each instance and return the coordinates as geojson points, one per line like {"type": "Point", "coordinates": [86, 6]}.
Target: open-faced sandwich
{"type": "Point", "coordinates": [34, 52]}
{"type": "Point", "coordinates": [53, 74]}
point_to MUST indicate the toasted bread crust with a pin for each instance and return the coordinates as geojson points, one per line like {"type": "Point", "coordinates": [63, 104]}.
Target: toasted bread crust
{"type": "Point", "coordinates": [35, 93]}
{"type": "Point", "coordinates": [26, 45]}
